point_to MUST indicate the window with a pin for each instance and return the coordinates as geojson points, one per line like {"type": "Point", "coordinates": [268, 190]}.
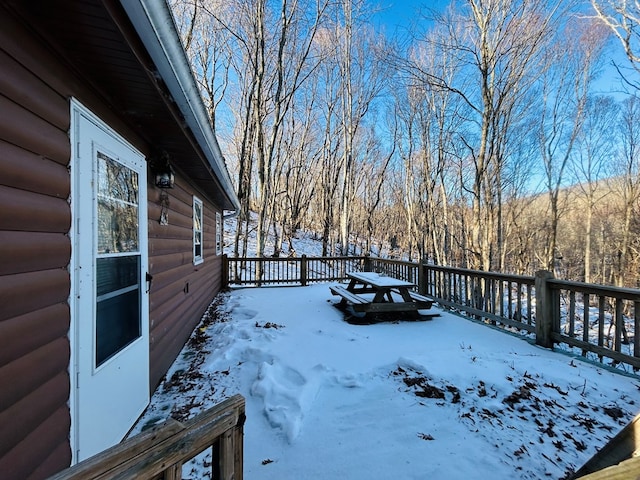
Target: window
{"type": "Point", "coordinates": [218, 233]}
{"type": "Point", "coordinates": [117, 258]}
{"type": "Point", "coordinates": [197, 230]}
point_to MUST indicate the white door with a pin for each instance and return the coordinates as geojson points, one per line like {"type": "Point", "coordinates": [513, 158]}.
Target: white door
{"type": "Point", "coordinates": [110, 320]}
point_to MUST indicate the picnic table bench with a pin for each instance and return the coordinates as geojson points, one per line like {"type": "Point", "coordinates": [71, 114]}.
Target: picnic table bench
{"type": "Point", "coordinates": [355, 299]}
{"type": "Point", "coordinates": [421, 299]}
{"type": "Point", "coordinates": [387, 294]}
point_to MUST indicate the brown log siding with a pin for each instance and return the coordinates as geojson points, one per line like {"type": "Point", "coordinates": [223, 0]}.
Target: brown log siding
{"type": "Point", "coordinates": [26, 333]}
{"type": "Point", "coordinates": [19, 421]}
{"type": "Point", "coordinates": [26, 170]}
{"type": "Point", "coordinates": [180, 291]}
{"type": "Point", "coordinates": [31, 251]}
{"type": "Point", "coordinates": [34, 256]}
{"type": "Point", "coordinates": [31, 212]}
{"type": "Point", "coordinates": [26, 458]}
{"type": "Point", "coordinates": [24, 128]}
{"type": "Point", "coordinates": [35, 251]}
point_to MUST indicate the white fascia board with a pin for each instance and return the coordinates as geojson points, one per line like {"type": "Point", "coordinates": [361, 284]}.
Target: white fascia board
{"type": "Point", "coordinates": [154, 23]}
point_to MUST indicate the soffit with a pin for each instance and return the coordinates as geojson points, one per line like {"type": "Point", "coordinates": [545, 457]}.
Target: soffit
{"type": "Point", "coordinates": [97, 41]}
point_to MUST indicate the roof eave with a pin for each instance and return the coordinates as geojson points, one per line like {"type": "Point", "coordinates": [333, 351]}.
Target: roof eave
{"type": "Point", "coordinates": [154, 24]}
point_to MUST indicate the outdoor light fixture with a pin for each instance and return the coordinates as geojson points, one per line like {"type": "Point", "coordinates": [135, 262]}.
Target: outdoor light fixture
{"type": "Point", "coordinates": [163, 171]}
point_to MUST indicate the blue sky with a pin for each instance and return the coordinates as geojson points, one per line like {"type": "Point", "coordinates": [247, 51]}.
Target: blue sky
{"type": "Point", "coordinates": [396, 16]}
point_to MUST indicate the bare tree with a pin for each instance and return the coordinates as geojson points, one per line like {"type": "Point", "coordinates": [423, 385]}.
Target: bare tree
{"type": "Point", "coordinates": [271, 45]}
{"type": "Point", "coordinates": [595, 142]}
{"type": "Point", "coordinates": [627, 171]}
{"type": "Point", "coordinates": [498, 44]}
{"type": "Point", "coordinates": [294, 39]}
{"type": "Point", "coordinates": [373, 168]}
{"type": "Point", "coordinates": [304, 151]}
{"type": "Point", "coordinates": [208, 45]}
{"type": "Point", "coordinates": [516, 254]}
{"type": "Point", "coordinates": [430, 119]}
{"type": "Point", "coordinates": [216, 43]}
{"type": "Point", "coordinates": [361, 81]}
{"type": "Point", "coordinates": [326, 80]}
{"type": "Point", "coordinates": [571, 69]}
{"type": "Point", "coordinates": [623, 19]}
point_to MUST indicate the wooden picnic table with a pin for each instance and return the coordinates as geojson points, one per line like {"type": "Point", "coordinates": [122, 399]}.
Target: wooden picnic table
{"type": "Point", "coordinates": [386, 294]}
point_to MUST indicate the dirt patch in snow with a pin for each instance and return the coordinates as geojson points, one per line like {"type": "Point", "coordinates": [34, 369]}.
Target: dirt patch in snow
{"type": "Point", "coordinates": [498, 416]}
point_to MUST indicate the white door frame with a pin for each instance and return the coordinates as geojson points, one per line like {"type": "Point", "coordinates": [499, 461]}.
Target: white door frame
{"type": "Point", "coordinates": [80, 115]}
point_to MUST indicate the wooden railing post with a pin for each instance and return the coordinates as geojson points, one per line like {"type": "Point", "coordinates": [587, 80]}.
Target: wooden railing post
{"type": "Point", "coordinates": [544, 309]}
{"type": "Point", "coordinates": [367, 263]}
{"type": "Point", "coordinates": [303, 270]}
{"type": "Point", "coordinates": [422, 280]}
{"type": "Point", "coordinates": [228, 453]}
{"type": "Point", "coordinates": [225, 271]}
{"type": "Point", "coordinates": [238, 448]}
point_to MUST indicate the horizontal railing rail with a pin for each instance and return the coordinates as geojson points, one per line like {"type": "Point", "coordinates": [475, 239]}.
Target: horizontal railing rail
{"type": "Point", "coordinates": [160, 452]}
{"type": "Point", "coordinates": [549, 310]}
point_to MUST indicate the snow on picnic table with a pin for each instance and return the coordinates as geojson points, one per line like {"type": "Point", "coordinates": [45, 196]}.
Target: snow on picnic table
{"type": "Point", "coordinates": [379, 280]}
{"type": "Point", "coordinates": [446, 398]}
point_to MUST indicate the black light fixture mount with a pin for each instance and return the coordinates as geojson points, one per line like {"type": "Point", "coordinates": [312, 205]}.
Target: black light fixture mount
{"type": "Point", "coordinates": [163, 171]}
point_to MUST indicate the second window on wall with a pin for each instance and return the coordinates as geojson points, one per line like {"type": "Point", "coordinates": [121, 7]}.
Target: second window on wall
{"type": "Point", "coordinates": [218, 233]}
{"type": "Point", "coordinates": [198, 218]}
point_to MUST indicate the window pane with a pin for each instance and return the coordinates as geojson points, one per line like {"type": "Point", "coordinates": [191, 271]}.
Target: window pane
{"type": "Point", "coordinates": [218, 234]}
{"type": "Point", "coordinates": [117, 324]}
{"type": "Point", "coordinates": [197, 230]}
{"type": "Point", "coordinates": [197, 217]}
{"type": "Point", "coordinates": [197, 244]}
{"type": "Point", "coordinates": [118, 305]}
{"type": "Point", "coordinates": [116, 273]}
{"type": "Point", "coordinates": [117, 207]}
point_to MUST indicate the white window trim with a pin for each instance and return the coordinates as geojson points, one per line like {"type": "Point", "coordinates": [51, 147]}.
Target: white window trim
{"type": "Point", "coordinates": [197, 259]}
{"type": "Point", "coordinates": [218, 233]}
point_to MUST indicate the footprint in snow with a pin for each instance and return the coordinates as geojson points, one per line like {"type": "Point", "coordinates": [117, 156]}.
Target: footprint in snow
{"type": "Point", "coordinates": [244, 313]}
{"type": "Point", "coordinates": [286, 395]}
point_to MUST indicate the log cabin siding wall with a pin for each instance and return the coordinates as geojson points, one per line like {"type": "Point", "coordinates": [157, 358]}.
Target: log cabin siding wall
{"type": "Point", "coordinates": [35, 251]}
{"type": "Point", "coordinates": [180, 291]}
{"type": "Point", "coordinates": [35, 218]}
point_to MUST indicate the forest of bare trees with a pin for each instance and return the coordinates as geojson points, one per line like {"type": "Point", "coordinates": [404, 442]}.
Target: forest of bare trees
{"type": "Point", "coordinates": [494, 134]}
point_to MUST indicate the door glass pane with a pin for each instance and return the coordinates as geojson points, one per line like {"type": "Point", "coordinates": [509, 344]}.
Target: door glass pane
{"type": "Point", "coordinates": [116, 273]}
{"type": "Point", "coordinates": [118, 277]}
{"type": "Point", "coordinates": [117, 305]}
{"type": "Point", "coordinates": [117, 207]}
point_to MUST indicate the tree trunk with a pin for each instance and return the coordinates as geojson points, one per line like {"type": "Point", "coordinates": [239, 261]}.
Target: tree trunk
{"type": "Point", "coordinates": [587, 239]}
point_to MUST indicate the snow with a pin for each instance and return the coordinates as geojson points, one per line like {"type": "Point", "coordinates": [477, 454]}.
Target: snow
{"type": "Point", "coordinates": [380, 280]}
{"type": "Point", "coordinates": [446, 398]}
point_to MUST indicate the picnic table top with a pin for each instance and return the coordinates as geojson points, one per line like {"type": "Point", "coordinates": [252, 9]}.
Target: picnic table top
{"type": "Point", "coordinates": [379, 280]}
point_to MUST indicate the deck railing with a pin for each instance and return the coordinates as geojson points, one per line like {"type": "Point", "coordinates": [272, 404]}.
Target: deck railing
{"type": "Point", "coordinates": [289, 271]}
{"type": "Point", "coordinates": [597, 321]}
{"type": "Point", "coordinates": [501, 299]}
{"type": "Point", "coordinates": [594, 321]}
{"type": "Point", "coordinates": [160, 452]}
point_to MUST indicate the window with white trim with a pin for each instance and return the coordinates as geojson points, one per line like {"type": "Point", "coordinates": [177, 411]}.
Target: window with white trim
{"type": "Point", "coordinates": [198, 218]}
{"type": "Point", "coordinates": [218, 233]}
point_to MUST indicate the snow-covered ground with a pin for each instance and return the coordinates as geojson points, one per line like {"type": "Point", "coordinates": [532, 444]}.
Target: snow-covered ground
{"type": "Point", "coordinates": [446, 398]}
